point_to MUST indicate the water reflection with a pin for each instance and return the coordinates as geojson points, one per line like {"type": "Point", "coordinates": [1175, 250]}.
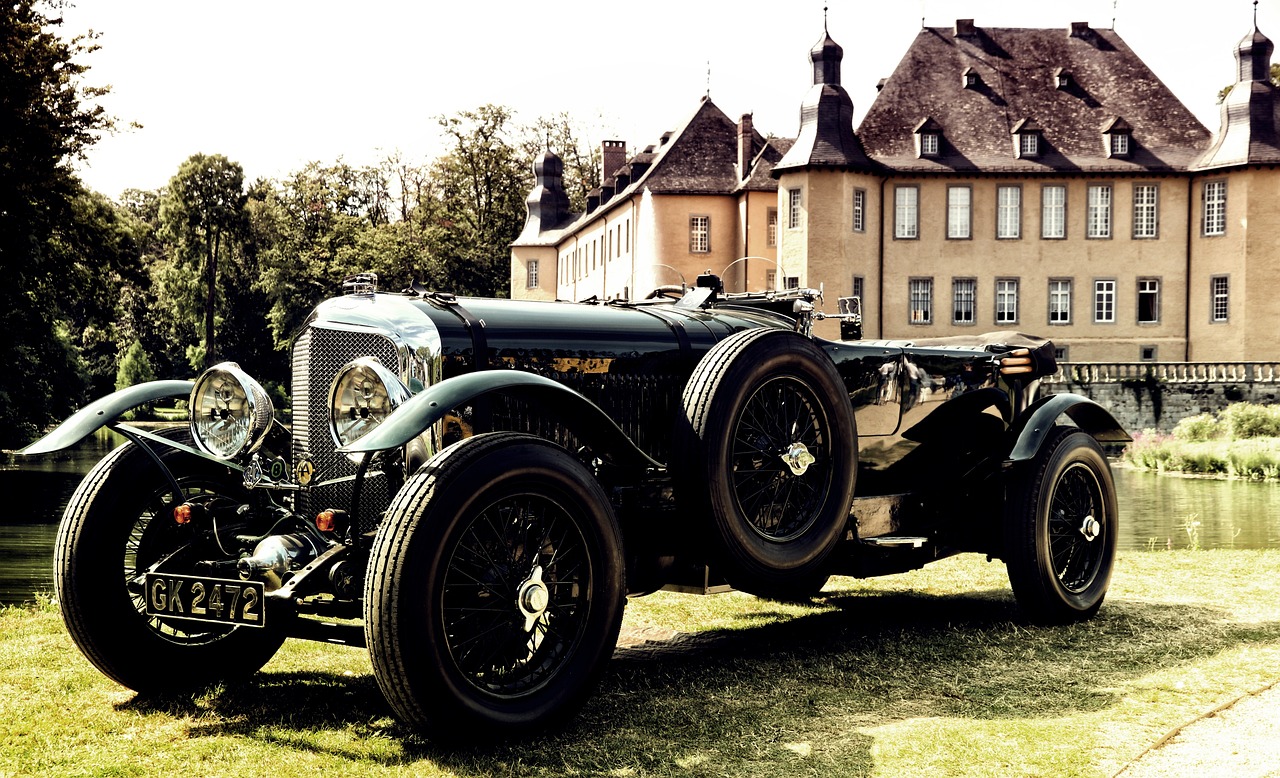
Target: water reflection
{"type": "Point", "coordinates": [1156, 513]}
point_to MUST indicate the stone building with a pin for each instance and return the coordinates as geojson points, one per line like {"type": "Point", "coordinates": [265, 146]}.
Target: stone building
{"type": "Point", "coordinates": [1033, 179]}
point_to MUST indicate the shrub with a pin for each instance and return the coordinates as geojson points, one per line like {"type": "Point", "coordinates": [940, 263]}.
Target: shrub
{"type": "Point", "coordinates": [1249, 420]}
{"type": "Point", "coordinates": [1201, 427]}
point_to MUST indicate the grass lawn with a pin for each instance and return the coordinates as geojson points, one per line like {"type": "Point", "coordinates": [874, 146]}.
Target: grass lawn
{"type": "Point", "coordinates": [929, 673]}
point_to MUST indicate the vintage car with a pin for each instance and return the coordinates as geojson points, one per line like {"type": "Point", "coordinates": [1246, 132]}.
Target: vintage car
{"type": "Point", "coordinates": [471, 488]}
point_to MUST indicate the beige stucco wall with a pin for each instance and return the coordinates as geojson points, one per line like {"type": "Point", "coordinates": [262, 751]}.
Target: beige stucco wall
{"type": "Point", "coordinates": [545, 256]}
{"type": "Point", "coordinates": [753, 243]}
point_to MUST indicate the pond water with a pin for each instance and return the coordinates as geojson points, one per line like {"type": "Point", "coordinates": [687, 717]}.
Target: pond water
{"type": "Point", "coordinates": [1156, 513]}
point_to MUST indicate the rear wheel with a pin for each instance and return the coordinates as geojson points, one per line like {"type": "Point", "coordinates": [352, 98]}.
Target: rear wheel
{"type": "Point", "coordinates": [119, 523]}
{"type": "Point", "coordinates": [495, 591]}
{"type": "Point", "coordinates": [770, 456]}
{"type": "Point", "coordinates": [1060, 530]}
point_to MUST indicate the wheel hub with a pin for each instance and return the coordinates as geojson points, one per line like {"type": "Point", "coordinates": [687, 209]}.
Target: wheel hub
{"type": "Point", "coordinates": [532, 598]}
{"type": "Point", "coordinates": [1091, 528]}
{"type": "Point", "coordinates": [797, 458]}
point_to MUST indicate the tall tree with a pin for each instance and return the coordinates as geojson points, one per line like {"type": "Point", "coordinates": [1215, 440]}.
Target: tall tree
{"type": "Point", "coordinates": [48, 117]}
{"type": "Point", "coordinates": [581, 158]}
{"type": "Point", "coordinates": [202, 217]}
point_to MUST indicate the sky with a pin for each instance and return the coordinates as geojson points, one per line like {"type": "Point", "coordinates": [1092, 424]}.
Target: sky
{"type": "Point", "coordinates": [275, 84]}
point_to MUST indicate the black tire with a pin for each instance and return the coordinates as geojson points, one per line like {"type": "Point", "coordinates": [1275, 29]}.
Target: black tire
{"type": "Point", "coordinates": [754, 397]}
{"type": "Point", "coordinates": [461, 647]}
{"type": "Point", "coordinates": [117, 524]}
{"type": "Point", "coordinates": [1060, 530]}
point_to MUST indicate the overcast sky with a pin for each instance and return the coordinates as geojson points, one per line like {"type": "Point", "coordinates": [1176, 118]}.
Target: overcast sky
{"type": "Point", "coordinates": [273, 84]}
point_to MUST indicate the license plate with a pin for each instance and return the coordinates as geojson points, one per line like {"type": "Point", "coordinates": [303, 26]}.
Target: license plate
{"type": "Point", "coordinates": [215, 600]}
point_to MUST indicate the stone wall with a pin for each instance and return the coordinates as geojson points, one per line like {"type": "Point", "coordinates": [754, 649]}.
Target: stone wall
{"type": "Point", "coordinates": [1157, 395]}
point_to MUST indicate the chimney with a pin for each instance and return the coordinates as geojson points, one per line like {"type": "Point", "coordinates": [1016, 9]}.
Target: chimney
{"type": "Point", "coordinates": [613, 155]}
{"type": "Point", "coordinates": [964, 28]}
{"type": "Point", "coordinates": [746, 146]}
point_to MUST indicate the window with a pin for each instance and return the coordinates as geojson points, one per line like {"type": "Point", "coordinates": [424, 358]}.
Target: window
{"type": "Point", "coordinates": [628, 235]}
{"type": "Point", "coordinates": [1144, 210]}
{"type": "Point", "coordinates": [1053, 219]}
{"type": "Point", "coordinates": [770, 279]}
{"type": "Point", "coordinates": [771, 234]}
{"type": "Point", "coordinates": [1060, 354]}
{"type": "Point", "coordinates": [1148, 300]}
{"type": "Point", "coordinates": [906, 212]}
{"type": "Point", "coordinates": [1215, 208]}
{"type": "Point", "coordinates": [531, 274]}
{"type": "Point", "coordinates": [793, 209]}
{"type": "Point", "coordinates": [1104, 301]}
{"type": "Point", "coordinates": [928, 144]}
{"type": "Point", "coordinates": [699, 234]}
{"type": "Point", "coordinates": [921, 300]}
{"type": "Point", "coordinates": [1008, 212]}
{"type": "Point", "coordinates": [1220, 289]}
{"type": "Point", "coordinates": [1119, 144]}
{"type": "Point", "coordinates": [1148, 353]}
{"type": "Point", "coordinates": [859, 210]}
{"type": "Point", "coordinates": [791, 282]}
{"type": "Point", "coordinates": [1006, 300]}
{"type": "Point", "coordinates": [857, 287]}
{"type": "Point", "coordinates": [964, 293]}
{"type": "Point", "coordinates": [1060, 301]}
{"type": "Point", "coordinates": [1028, 144]}
{"type": "Point", "coordinates": [958, 211]}
{"type": "Point", "coordinates": [1099, 215]}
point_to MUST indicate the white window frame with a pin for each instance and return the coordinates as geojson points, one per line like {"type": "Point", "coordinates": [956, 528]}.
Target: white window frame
{"type": "Point", "coordinates": [791, 282]}
{"type": "Point", "coordinates": [964, 300]}
{"type": "Point", "coordinates": [531, 274]}
{"type": "Point", "coordinates": [1053, 212]}
{"type": "Point", "coordinates": [699, 234]}
{"type": "Point", "coordinates": [859, 210]}
{"type": "Point", "coordinates": [771, 228]}
{"type": "Point", "coordinates": [793, 208]}
{"type": "Point", "coordinates": [1104, 301]}
{"type": "Point", "coordinates": [1098, 213]}
{"type": "Point", "coordinates": [1219, 298]}
{"type": "Point", "coordinates": [906, 212]}
{"type": "Point", "coordinates": [771, 280]}
{"type": "Point", "coordinates": [1146, 211]}
{"type": "Point", "coordinates": [1059, 300]}
{"type": "Point", "coordinates": [1119, 144]}
{"type": "Point", "coordinates": [959, 212]}
{"type": "Point", "coordinates": [1149, 288]}
{"type": "Point", "coordinates": [920, 301]}
{"type": "Point", "coordinates": [1215, 208]}
{"type": "Point", "coordinates": [1006, 301]}
{"type": "Point", "coordinates": [1029, 144]}
{"type": "Point", "coordinates": [929, 144]}
{"type": "Point", "coordinates": [1008, 212]}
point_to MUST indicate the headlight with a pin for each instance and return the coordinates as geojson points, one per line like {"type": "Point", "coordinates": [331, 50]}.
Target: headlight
{"type": "Point", "coordinates": [230, 412]}
{"type": "Point", "coordinates": [363, 394]}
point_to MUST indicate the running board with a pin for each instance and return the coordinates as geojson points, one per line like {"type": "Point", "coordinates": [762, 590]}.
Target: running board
{"type": "Point", "coordinates": [896, 541]}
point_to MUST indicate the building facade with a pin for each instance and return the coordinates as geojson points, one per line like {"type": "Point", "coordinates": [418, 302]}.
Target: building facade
{"type": "Point", "coordinates": [1036, 180]}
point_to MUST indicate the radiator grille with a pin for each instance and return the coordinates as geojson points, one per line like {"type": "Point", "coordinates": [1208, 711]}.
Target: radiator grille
{"type": "Point", "coordinates": [318, 354]}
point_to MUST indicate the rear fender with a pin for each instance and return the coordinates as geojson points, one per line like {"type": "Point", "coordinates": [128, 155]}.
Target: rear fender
{"type": "Point", "coordinates": [105, 410]}
{"type": "Point", "coordinates": [583, 417]}
{"type": "Point", "coordinates": [1036, 423]}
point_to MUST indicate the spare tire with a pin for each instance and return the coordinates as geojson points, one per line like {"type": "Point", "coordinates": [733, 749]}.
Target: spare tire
{"type": "Point", "coordinates": [767, 453]}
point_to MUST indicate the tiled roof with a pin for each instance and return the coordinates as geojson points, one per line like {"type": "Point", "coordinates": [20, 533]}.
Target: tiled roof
{"type": "Point", "coordinates": [1249, 133]}
{"type": "Point", "coordinates": [761, 179]}
{"type": "Point", "coordinates": [1017, 70]}
{"type": "Point", "coordinates": [701, 159]}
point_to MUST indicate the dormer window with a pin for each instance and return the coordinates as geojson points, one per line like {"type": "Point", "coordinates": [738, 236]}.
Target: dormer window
{"type": "Point", "coordinates": [1026, 138]}
{"type": "Point", "coordinates": [1061, 79]}
{"type": "Point", "coordinates": [1117, 137]}
{"type": "Point", "coordinates": [928, 138]}
{"type": "Point", "coordinates": [970, 78]}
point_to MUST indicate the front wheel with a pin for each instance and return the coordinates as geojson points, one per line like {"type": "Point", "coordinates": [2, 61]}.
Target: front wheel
{"type": "Point", "coordinates": [495, 589]}
{"type": "Point", "coordinates": [119, 523]}
{"type": "Point", "coordinates": [1060, 530]}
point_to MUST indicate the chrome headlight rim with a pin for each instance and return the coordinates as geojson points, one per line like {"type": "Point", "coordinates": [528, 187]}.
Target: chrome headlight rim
{"type": "Point", "coordinates": [244, 427]}
{"type": "Point", "coordinates": [345, 406]}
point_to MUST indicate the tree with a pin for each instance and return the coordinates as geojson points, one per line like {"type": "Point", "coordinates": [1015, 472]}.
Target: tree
{"type": "Point", "coordinates": [202, 218]}
{"type": "Point", "coordinates": [478, 204]}
{"type": "Point", "coordinates": [48, 117]}
{"type": "Point", "coordinates": [581, 158]}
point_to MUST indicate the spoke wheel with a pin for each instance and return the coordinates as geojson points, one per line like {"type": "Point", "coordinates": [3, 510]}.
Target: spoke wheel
{"type": "Point", "coordinates": [117, 524]}
{"type": "Point", "coordinates": [1060, 530]}
{"type": "Point", "coordinates": [766, 460]}
{"type": "Point", "coordinates": [495, 589]}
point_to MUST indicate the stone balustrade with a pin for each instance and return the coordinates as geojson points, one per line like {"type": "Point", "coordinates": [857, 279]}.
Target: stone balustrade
{"type": "Point", "coordinates": [1166, 372]}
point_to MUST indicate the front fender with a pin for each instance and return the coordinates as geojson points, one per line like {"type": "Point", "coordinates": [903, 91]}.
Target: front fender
{"type": "Point", "coordinates": [1037, 422]}
{"type": "Point", "coordinates": [571, 409]}
{"type": "Point", "coordinates": [105, 410]}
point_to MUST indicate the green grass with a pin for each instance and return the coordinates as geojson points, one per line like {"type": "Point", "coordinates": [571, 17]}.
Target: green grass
{"type": "Point", "coordinates": [927, 673]}
{"type": "Point", "coordinates": [1256, 459]}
